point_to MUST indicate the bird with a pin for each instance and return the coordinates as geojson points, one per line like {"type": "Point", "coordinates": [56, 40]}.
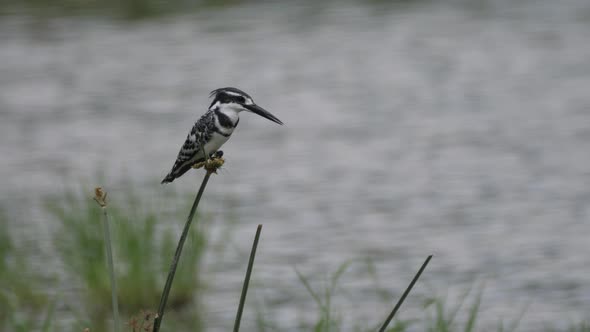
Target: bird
{"type": "Point", "coordinates": [214, 128]}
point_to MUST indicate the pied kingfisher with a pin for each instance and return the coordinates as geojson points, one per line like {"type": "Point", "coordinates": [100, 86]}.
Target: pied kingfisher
{"type": "Point", "coordinates": [214, 128]}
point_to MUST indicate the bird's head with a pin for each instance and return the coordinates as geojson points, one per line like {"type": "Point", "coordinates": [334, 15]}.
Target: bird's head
{"type": "Point", "coordinates": [237, 100]}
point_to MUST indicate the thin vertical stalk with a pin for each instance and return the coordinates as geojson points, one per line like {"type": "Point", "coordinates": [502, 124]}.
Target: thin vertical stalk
{"type": "Point", "coordinates": [247, 279]}
{"type": "Point", "coordinates": [401, 300]}
{"type": "Point", "coordinates": [107, 239]}
{"type": "Point", "coordinates": [175, 259]}
{"type": "Point", "coordinates": [100, 198]}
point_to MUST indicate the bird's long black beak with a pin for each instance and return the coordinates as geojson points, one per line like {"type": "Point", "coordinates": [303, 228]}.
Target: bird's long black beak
{"type": "Point", "coordinates": [262, 112]}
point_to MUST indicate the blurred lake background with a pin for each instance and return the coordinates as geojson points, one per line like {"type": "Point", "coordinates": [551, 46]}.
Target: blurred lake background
{"type": "Point", "coordinates": [457, 128]}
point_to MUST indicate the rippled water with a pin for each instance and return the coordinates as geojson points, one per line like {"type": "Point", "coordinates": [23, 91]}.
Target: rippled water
{"type": "Point", "coordinates": [460, 129]}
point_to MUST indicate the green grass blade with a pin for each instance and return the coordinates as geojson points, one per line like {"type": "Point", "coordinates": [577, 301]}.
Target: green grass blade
{"type": "Point", "coordinates": [334, 279]}
{"type": "Point", "coordinates": [518, 318]}
{"type": "Point", "coordinates": [48, 317]}
{"type": "Point", "coordinates": [310, 290]}
{"type": "Point", "coordinates": [459, 305]}
{"type": "Point", "coordinates": [473, 311]}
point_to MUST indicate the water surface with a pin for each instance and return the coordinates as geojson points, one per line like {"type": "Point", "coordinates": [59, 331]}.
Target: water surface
{"type": "Point", "coordinates": [449, 128]}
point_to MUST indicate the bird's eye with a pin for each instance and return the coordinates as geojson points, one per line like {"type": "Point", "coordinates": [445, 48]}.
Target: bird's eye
{"type": "Point", "coordinates": [240, 99]}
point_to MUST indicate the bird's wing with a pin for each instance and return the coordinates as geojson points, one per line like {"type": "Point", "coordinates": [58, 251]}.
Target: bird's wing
{"type": "Point", "coordinates": [191, 151]}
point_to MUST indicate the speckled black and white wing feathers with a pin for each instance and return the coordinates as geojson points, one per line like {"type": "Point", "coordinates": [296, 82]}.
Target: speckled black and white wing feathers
{"type": "Point", "coordinates": [192, 149]}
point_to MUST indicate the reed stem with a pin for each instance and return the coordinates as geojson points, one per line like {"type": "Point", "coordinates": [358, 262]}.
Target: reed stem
{"type": "Point", "coordinates": [176, 258]}
{"type": "Point", "coordinates": [100, 198]}
{"type": "Point", "coordinates": [107, 239]}
{"type": "Point", "coordinates": [401, 300]}
{"type": "Point", "coordinates": [247, 279]}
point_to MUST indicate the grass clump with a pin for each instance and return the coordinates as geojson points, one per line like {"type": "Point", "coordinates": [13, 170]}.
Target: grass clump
{"type": "Point", "coordinates": [578, 327]}
{"type": "Point", "coordinates": [440, 319]}
{"type": "Point", "coordinates": [328, 320]}
{"type": "Point", "coordinates": [124, 9]}
{"type": "Point", "coordinates": [142, 243]}
{"type": "Point", "coordinates": [438, 314]}
{"type": "Point", "coordinates": [22, 307]}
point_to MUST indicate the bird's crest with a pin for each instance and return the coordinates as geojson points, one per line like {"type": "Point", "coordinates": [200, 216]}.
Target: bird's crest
{"type": "Point", "coordinates": [229, 89]}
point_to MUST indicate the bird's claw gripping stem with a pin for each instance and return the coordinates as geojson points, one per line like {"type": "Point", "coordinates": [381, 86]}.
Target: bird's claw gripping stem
{"type": "Point", "coordinates": [211, 164]}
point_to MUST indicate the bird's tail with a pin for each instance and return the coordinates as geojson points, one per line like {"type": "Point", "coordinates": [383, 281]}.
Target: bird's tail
{"type": "Point", "coordinates": [169, 178]}
{"type": "Point", "coordinates": [176, 172]}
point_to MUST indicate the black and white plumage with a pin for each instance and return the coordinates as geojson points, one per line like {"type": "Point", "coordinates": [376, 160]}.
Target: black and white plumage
{"type": "Point", "coordinates": [214, 128]}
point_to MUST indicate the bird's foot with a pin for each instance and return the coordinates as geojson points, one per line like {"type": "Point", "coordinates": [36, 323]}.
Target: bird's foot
{"type": "Point", "coordinates": [213, 163]}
